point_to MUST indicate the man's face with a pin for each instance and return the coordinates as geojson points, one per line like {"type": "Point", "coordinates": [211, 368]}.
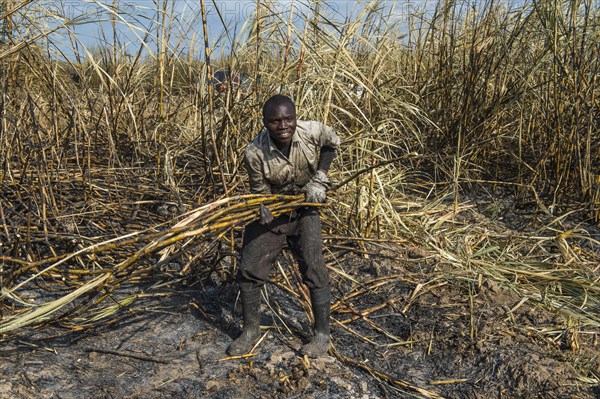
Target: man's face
{"type": "Point", "coordinates": [280, 121]}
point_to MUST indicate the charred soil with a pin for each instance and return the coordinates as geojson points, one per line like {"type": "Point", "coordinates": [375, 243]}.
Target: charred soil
{"type": "Point", "coordinates": [420, 337]}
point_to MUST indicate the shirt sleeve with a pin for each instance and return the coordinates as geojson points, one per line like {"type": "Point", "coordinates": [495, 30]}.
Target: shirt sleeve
{"type": "Point", "coordinates": [328, 137]}
{"type": "Point", "coordinates": [254, 167]}
{"type": "Point", "coordinates": [326, 158]}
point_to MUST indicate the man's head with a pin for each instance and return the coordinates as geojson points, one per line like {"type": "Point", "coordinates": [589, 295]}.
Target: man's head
{"type": "Point", "coordinates": [279, 117]}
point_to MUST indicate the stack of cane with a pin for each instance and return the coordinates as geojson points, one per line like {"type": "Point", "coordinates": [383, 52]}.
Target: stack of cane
{"type": "Point", "coordinates": [93, 274]}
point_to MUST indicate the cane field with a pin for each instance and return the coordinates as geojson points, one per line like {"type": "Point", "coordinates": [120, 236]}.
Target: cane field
{"type": "Point", "coordinates": [462, 231]}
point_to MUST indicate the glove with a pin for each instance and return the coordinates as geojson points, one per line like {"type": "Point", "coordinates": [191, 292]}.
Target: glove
{"type": "Point", "coordinates": [266, 217]}
{"type": "Point", "coordinates": [315, 189]}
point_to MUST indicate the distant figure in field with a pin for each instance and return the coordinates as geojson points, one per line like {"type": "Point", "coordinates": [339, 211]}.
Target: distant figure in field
{"type": "Point", "coordinates": [289, 156]}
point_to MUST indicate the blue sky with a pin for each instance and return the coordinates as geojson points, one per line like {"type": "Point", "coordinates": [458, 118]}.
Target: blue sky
{"type": "Point", "coordinates": [90, 21]}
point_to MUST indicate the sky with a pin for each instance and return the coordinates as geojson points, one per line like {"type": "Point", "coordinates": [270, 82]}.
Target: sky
{"type": "Point", "coordinates": [88, 23]}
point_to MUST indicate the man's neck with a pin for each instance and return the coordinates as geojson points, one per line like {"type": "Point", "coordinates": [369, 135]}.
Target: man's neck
{"type": "Point", "coordinates": [284, 149]}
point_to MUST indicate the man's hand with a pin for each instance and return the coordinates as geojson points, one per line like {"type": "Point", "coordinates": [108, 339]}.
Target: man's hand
{"type": "Point", "coordinates": [266, 217]}
{"type": "Point", "coordinates": [317, 186]}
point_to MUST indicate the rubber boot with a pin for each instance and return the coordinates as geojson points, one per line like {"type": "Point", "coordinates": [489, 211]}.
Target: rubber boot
{"type": "Point", "coordinates": [321, 304]}
{"type": "Point", "coordinates": [251, 333]}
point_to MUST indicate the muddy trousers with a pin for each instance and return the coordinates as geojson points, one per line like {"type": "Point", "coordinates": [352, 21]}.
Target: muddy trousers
{"type": "Point", "coordinates": [262, 245]}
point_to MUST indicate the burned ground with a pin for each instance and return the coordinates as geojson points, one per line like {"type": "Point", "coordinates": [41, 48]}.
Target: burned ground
{"type": "Point", "coordinates": [407, 331]}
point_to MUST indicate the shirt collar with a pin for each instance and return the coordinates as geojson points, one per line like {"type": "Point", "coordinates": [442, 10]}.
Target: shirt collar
{"type": "Point", "coordinates": [273, 147]}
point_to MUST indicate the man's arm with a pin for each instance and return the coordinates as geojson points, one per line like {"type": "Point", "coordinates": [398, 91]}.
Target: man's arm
{"type": "Point", "coordinates": [256, 176]}
{"type": "Point", "coordinates": [326, 158]}
{"type": "Point", "coordinates": [258, 183]}
{"type": "Point", "coordinates": [316, 188]}
{"type": "Point", "coordinates": [328, 141]}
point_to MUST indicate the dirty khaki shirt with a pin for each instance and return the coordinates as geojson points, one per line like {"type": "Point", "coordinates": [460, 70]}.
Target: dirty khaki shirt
{"type": "Point", "coordinates": [270, 172]}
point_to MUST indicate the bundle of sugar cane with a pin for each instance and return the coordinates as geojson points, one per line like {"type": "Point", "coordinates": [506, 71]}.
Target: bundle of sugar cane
{"type": "Point", "coordinates": [91, 285]}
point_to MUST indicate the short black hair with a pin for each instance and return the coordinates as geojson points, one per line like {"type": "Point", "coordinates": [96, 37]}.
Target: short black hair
{"type": "Point", "coordinates": [276, 100]}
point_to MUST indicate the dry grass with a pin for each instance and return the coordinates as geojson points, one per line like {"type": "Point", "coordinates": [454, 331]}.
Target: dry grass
{"type": "Point", "coordinates": [105, 155]}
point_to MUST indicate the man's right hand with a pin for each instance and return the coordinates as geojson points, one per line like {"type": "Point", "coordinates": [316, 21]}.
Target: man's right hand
{"type": "Point", "coordinates": [266, 217]}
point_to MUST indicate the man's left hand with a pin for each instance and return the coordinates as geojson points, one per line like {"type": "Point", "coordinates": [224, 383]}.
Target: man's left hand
{"type": "Point", "coordinates": [266, 217]}
{"type": "Point", "coordinates": [317, 186]}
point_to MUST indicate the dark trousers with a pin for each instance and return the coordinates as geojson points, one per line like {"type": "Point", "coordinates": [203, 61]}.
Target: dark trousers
{"type": "Point", "coordinates": [262, 245]}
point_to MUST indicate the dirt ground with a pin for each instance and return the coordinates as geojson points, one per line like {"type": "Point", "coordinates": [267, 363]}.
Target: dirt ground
{"type": "Point", "coordinates": [453, 345]}
{"type": "Point", "coordinates": [402, 327]}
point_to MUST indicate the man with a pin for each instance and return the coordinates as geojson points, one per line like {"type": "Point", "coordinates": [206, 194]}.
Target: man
{"type": "Point", "coordinates": [289, 156]}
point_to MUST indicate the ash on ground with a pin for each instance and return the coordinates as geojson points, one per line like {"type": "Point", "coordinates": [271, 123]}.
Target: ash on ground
{"type": "Point", "coordinates": [477, 340]}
